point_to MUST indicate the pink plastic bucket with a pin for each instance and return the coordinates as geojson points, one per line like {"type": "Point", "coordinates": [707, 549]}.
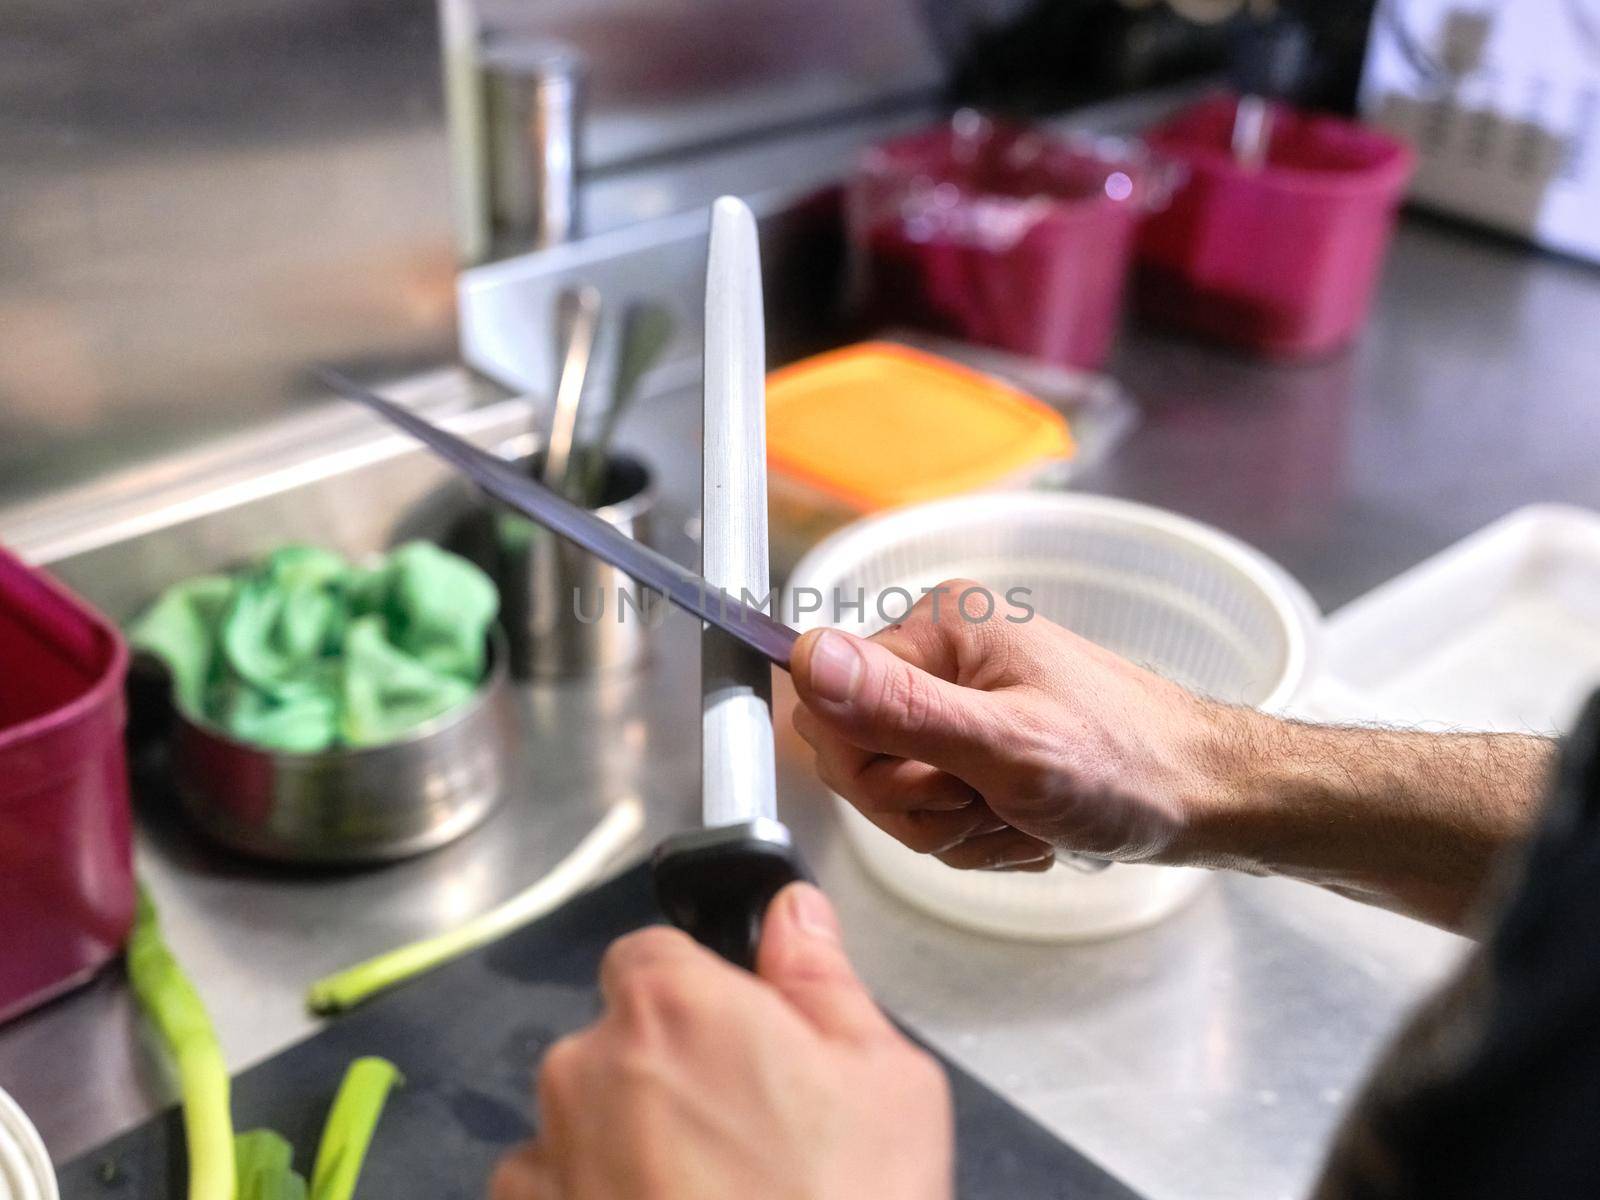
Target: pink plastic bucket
{"type": "Point", "coordinates": [66, 853]}
{"type": "Point", "coordinates": [1003, 235]}
{"type": "Point", "coordinates": [1280, 259]}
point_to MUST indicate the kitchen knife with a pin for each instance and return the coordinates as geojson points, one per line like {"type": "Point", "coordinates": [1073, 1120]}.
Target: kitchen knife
{"type": "Point", "coordinates": [755, 629]}
{"type": "Point", "coordinates": [716, 882]}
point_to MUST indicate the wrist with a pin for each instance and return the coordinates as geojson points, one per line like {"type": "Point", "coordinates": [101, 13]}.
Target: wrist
{"type": "Point", "coordinates": [1235, 752]}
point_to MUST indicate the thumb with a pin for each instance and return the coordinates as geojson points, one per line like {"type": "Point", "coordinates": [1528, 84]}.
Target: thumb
{"type": "Point", "coordinates": [802, 956]}
{"type": "Point", "coordinates": [880, 702]}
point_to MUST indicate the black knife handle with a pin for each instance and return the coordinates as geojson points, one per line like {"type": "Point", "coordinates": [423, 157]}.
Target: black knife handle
{"type": "Point", "coordinates": [715, 884]}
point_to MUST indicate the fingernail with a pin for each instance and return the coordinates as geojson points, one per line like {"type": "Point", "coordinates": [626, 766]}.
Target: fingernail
{"type": "Point", "coordinates": [812, 913]}
{"type": "Point", "coordinates": [835, 667]}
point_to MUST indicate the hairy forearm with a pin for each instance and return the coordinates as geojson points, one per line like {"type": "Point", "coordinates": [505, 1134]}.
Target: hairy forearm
{"type": "Point", "coordinates": [1412, 821]}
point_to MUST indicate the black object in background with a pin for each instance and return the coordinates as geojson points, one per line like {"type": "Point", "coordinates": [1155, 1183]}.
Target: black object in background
{"type": "Point", "coordinates": [1270, 58]}
{"type": "Point", "coordinates": [1492, 1090]}
{"type": "Point", "coordinates": [1061, 53]}
{"type": "Point", "coordinates": [467, 1037]}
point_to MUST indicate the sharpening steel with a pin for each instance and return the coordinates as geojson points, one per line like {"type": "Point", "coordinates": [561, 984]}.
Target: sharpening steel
{"type": "Point", "coordinates": [716, 882]}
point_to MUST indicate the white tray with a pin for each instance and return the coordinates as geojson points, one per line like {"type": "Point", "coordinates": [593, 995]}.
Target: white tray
{"type": "Point", "coordinates": [1499, 632]}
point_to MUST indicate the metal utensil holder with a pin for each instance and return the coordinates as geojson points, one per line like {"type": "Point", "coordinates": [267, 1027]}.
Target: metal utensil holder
{"type": "Point", "coordinates": [567, 614]}
{"type": "Point", "coordinates": [533, 99]}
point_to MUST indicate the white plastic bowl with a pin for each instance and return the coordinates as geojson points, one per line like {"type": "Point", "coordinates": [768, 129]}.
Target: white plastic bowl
{"type": "Point", "coordinates": [25, 1170]}
{"type": "Point", "coordinates": [1182, 598]}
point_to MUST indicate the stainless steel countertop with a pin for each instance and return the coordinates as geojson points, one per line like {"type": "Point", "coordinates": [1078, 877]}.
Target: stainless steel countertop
{"type": "Point", "coordinates": [1206, 1057]}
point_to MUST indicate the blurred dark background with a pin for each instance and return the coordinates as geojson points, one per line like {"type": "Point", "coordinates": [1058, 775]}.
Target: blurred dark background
{"type": "Point", "coordinates": [1040, 57]}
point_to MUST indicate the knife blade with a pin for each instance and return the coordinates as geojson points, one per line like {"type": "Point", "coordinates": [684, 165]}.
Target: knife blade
{"type": "Point", "coordinates": [751, 626]}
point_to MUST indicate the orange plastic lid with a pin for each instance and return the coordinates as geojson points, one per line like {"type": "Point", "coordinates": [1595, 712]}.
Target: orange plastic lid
{"type": "Point", "coordinates": [879, 425]}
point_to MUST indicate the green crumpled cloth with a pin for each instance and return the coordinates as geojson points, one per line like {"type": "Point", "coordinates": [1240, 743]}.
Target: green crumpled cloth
{"type": "Point", "coordinates": [304, 651]}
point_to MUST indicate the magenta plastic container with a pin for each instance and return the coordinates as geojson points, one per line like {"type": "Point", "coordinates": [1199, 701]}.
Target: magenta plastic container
{"type": "Point", "coordinates": [1003, 235]}
{"type": "Point", "coordinates": [1281, 259]}
{"type": "Point", "coordinates": [66, 848]}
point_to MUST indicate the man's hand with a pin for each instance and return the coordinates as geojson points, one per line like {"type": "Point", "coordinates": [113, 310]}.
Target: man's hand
{"type": "Point", "coordinates": [992, 743]}
{"type": "Point", "coordinates": [703, 1082]}
{"type": "Point", "coordinates": [995, 743]}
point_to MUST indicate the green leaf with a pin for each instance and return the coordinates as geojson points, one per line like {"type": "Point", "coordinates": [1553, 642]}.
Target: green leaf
{"type": "Point", "coordinates": [263, 1167]}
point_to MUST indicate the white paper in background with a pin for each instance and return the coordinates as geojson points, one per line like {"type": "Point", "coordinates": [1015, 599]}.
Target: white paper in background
{"type": "Point", "coordinates": [1502, 102]}
{"type": "Point", "coordinates": [1499, 632]}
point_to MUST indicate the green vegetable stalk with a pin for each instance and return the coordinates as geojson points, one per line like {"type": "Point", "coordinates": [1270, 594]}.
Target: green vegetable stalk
{"type": "Point", "coordinates": [174, 1007]}
{"type": "Point", "coordinates": [578, 870]}
{"type": "Point", "coordinates": [348, 1133]}
{"type": "Point", "coordinates": [258, 1164]}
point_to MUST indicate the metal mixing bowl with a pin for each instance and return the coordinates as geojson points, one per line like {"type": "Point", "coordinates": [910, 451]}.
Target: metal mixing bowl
{"type": "Point", "coordinates": [353, 805]}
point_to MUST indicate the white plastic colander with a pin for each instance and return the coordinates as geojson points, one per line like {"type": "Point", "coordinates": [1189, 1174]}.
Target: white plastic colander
{"type": "Point", "coordinates": [1179, 597]}
{"type": "Point", "coordinates": [25, 1170]}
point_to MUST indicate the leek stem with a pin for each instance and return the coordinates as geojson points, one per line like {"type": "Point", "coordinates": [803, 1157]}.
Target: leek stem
{"type": "Point", "coordinates": [174, 1007]}
{"type": "Point", "coordinates": [577, 871]}
{"type": "Point", "coordinates": [348, 1133]}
